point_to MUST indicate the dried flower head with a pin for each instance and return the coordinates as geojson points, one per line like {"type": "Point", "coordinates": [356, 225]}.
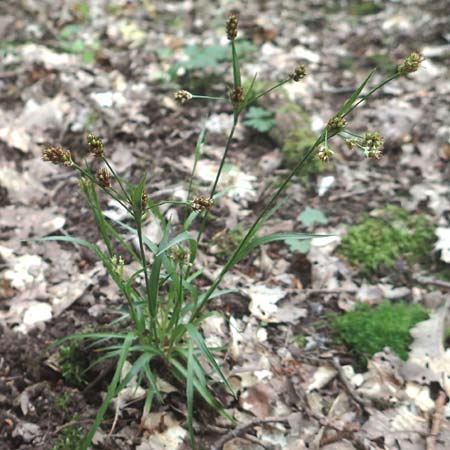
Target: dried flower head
{"type": "Point", "coordinates": [103, 178]}
{"type": "Point", "coordinates": [410, 64]}
{"type": "Point", "coordinates": [182, 97]}
{"type": "Point", "coordinates": [232, 27]}
{"type": "Point", "coordinates": [337, 123]}
{"type": "Point", "coordinates": [237, 95]}
{"type": "Point", "coordinates": [201, 204]}
{"type": "Point", "coordinates": [325, 153]}
{"type": "Point", "coordinates": [298, 74]}
{"type": "Point", "coordinates": [95, 145]}
{"type": "Point", "coordinates": [57, 155]}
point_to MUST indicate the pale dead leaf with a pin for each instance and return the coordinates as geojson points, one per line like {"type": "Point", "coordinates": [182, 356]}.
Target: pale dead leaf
{"type": "Point", "coordinates": [428, 359]}
{"type": "Point", "coordinates": [263, 301]}
{"type": "Point", "coordinates": [257, 399]}
{"type": "Point", "coordinates": [443, 243]}
{"type": "Point", "coordinates": [399, 425]}
{"type": "Point", "coordinates": [382, 381]}
{"type": "Point", "coordinates": [164, 432]}
{"type": "Point", "coordinates": [322, 376]}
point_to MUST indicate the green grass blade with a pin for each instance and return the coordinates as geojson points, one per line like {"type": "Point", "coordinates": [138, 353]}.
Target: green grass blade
{"type": "Point", "coordinates": [198, 339]}
{"type": "Point", "coordinates": [190, 392]}
{"type": "Point", "coordinates": [136, 368]}
{"type": "Point", "coordinates": [176, 240]}
{"type": "Point", "coordinates": [349, 103]}
{"type": "Point", "coordinates": [110, 392]}
{"type": "Point", "coordinates": [202, 391]}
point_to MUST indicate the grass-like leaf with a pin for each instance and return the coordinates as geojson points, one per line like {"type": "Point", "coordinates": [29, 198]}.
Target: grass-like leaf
{"type": "Point", "coordinates": [110, 392]}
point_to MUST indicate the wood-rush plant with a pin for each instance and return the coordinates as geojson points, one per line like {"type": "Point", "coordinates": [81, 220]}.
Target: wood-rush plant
{"type": "Point", "coordinates": [165, 307]}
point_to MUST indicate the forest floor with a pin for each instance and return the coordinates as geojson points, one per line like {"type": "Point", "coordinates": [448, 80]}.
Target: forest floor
{"type": "Point", "coordinates": [111, 67]}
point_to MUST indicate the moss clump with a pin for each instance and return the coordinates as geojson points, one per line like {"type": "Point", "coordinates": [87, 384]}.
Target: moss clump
{"type": "Point", "coordinates": [378, 242]}
{"type": "Point", "coordinates": [367, 331]}
{"type": "Point", "coordinates": [364, 8]}
{"type": "Point", "coordinates": [72, 363]}
{"type": "Point", "coordinates": [71, 438]}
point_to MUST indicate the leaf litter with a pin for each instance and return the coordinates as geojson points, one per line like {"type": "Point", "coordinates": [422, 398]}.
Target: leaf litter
{"type": "Point", "coordinates": [62, 96]}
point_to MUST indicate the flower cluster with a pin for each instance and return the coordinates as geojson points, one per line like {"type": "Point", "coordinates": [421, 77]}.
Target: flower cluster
{"type": "Point", "coordinates": [232, 27]}
{"type": "Point", "coordinates": [182, 97]}
{"type": "Point", "coordinates": [103, 178]}
{"type": "Point", "coordinates": [237, 95]}
{"type": "Point", "coordinates": [57, 155]}
{"type": "Point", "coordinates": [410, 64]}
{"type": "Point", "coordinates": [325, 153]}
{"type": "Point", "coordinates": [337, 123]}
{"type": "Point", "coordinates": [144, 201]}
{"type": "Point", "coordinates": [298, 74]}
{"type": "Point", "coordinates": [372, 144]}
{"type": "Point", "coordinates": [180, 255]}
{"type": "Point", "coordinates": [201, 204]}
{"type": "Point", "coordinates": [95, 145]}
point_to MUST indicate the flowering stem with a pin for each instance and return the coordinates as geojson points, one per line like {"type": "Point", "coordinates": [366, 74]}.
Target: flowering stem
{"type": "Point", "coordinates": [219, 173]}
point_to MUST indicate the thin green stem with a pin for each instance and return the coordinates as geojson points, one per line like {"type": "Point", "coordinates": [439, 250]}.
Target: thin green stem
{"type": "Point", "coordinates": [207, 97]}
{"type": "Point", "coordinates": [146, 277]}
{"type": "Point", "coordinates": [111, 192]}
{"type": "Point", "coordinates": [262, 94]}
{"type": "Point", "coordinates": [373, 90]}
{"type": "Point", "coordinates": [219, 173]}
{"type": "Point", "coordinates": [124, 191]}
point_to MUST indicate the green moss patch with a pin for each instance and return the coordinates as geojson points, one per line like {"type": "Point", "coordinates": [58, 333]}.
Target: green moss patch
{"type": "Point", "coordinates": [367, 330]}
{"type": "Point", "coordinates": [377, 243]}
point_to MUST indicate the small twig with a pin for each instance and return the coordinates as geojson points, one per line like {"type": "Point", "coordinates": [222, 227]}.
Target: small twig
{"type": "Point", "coordinates": [429, 280]}
{"type": "Point", "coordinates": [240, 431]}
{"type": "Point", "coordinates": [437, 420]}
{"type": "Point", "coordinates": [356, 397]}
{"type": "Point", "coordinates": [70, 424]}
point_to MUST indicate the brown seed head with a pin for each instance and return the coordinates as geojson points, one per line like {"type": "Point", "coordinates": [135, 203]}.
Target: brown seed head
{"type": "Point", "coordinates": [95, 145]}
{"type": "Point", "coordinates": [410, 64]}
{"type": "Point", "coordinates": [237, 95]}
{"type": "Point", "coordinates": [232, 27]}
{"type": "Point", "coordinates": [298, 74]}
{"type": "Point", "coordinates": [103, 178]}
{"type": "Point", "coordinates": [144, 200]}
{"type": "Point", "coordinates": [201, 204]}
{"type": "Point", "coordinates": [182, 97]}
{"type": "Point", "coordinates": [57, 155]}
